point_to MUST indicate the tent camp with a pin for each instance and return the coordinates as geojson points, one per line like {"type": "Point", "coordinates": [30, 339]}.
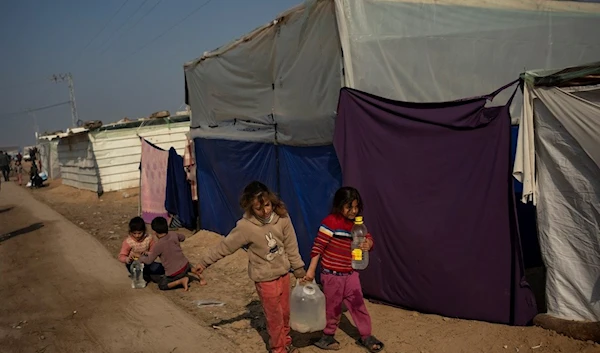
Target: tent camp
{"type": "Point", "coordinates": [558, 161]}
{"type": "Point", "coordinates": [264, 106]}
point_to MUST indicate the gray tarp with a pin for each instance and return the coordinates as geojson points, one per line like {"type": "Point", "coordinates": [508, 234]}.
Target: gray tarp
{"type": "Point", "coordinates": [289, 71]}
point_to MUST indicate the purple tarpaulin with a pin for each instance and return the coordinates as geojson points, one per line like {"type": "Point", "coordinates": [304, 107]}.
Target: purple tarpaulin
{"type": "Point", "coordinates": [438, 196]}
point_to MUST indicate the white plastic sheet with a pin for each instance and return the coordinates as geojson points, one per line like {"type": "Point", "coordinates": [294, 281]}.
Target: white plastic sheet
{"type": "Point", "coordinates": [286, 74]}
{"type": "Point", "coordinates": [567, 143]}
{"type": "Point", "coordinates": [441, 50]}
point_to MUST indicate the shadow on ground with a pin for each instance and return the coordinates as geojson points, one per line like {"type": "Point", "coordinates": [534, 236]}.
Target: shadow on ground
{"type": "Point", "coordinates": [30, 228]}
{"type": "Point", "coordinates": [3, 210]}
{"type": "Point", "coordinates": [256, 316]}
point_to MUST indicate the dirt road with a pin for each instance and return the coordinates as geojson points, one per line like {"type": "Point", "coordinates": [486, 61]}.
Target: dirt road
{"type": "Point", "coordinates": [63, 292]}
{"type": "Point", "coordinates": [241, 320]}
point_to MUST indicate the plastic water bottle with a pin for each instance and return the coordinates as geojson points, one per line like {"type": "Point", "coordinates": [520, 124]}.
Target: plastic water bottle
{"type": "Point", "coordinates": [137, 274]}
{"type": "Point", "coordinates": [360, 258]}
{"type": "Point", "coordinates": [307, 308]}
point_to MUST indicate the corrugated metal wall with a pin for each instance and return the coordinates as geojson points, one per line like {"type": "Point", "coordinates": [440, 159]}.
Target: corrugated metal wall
{"type": "Point", "coordinates": [77, 162]}
{"type": "Point", "coordinates": [118, 152]}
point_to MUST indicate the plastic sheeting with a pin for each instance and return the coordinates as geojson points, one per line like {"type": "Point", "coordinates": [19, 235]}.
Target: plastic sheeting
{"type": "Point", "coordinates": [442, 50]}
{"type": "Point", "coordinates": [439, 250]}
{"type": "Point", "coordinates": [223, 169]}
{"type": "Point", "coordinates": [305, 178]}
{"type": "Point", "coordinates": [564, 147]}
{"type": "Point", "coordinates": [309, 177]}
{"type": "Point", "coordinates": [287, 73]}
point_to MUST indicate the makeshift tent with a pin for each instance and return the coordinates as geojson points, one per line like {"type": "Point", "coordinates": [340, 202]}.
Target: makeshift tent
{"type": "Point", "coordinates": [558, 161]}
{"type": "Point", "coordinates": [257, 126]}
{"type": "Point", "coordinates": [278, 86]}
{"type": "Point", "coordinates": [153, 183]}
{"type": "Point", "coordinates": [178, 197]}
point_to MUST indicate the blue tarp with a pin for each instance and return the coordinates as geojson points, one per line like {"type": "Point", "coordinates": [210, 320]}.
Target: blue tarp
{"type": "Point", "coordinates": [305, 178]}
{"type": "Point", "coordinates": [178, 199]}
{"type": "Point", "coordinates": [309, 177]}
{"type": "Point", "coordinates": [526, 215]}
{"type": "Point", "coordinates": [223, 169]}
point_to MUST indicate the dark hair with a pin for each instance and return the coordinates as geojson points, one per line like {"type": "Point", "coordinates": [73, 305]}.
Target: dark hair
{"type": "Point", "coordinates": [257, 190]}
{"type": "Point", "coordinates": [345, 196]}
{"type": "Point", "coordinates": [137, 224]}
{"type": "Point", "coordinates": [160, 225]}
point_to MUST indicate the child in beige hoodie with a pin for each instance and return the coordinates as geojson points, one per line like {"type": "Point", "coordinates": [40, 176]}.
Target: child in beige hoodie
{"type": "Point", "coordinates": [268, 233]}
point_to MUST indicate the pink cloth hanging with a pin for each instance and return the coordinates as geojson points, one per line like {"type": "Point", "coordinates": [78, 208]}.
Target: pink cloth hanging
{"type": "Point", "coordinates": [153, 181]}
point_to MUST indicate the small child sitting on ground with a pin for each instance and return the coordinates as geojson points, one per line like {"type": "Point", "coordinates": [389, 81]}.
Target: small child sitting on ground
{"type": "Point", "coordinates": [137, 243]}
{"type": "Point", "coordinates": [177, 266]}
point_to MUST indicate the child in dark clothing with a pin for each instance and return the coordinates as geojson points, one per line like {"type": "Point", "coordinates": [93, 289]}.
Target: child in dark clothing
{"type": "Point", "coordinates": [177, 267]}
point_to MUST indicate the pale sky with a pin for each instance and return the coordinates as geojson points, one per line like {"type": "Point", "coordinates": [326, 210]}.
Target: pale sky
{"type": "Point", "coordinates": [122, 71]}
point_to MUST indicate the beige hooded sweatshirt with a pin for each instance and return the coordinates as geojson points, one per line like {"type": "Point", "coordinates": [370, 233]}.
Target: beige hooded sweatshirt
{"type": "Point", "coordinates": [272, 248]}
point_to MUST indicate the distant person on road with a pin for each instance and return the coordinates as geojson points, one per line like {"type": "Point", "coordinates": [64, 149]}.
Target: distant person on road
{"type": "Point", "coordinates": [5, 164]}
{"type": "Point", "coordinates": [34, 177]}
{"type": "Point", "coordinates": [267, 231]}
{"type": "Point", "coordinates": [139, 242]}
{"type": "Point", "coordinates": [19, 171]}
{"type": "Point", "coordinates": [177, 267]}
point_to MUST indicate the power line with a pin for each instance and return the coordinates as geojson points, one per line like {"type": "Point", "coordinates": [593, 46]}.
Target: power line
{"type": "Point", "coordinates": [121, 26]}
{"type": "Point", "coordinates": [27, 111]}
{"type": "Point", "coordinates": [158, 37]}
{"type": "Point", "coordinates": [172, 27]}
{"type": "Point", "coordinates": [75, 58]}
{"type": "Point", "coordinates": [135, 24]}
{"type": "Point", "coordinates": [144, 15]}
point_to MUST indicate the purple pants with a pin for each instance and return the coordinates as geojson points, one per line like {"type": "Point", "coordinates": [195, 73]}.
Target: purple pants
{"type": "Point", "coordinates": [345, 289]}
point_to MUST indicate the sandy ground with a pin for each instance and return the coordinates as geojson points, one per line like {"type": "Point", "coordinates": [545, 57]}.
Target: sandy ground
{"type": "Point", "coordinates": [241, 319]}
{"type": "Point", "coordinates": [62, 291]}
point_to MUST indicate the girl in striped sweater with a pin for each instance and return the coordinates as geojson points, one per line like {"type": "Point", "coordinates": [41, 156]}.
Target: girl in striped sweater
{"type": "Point", "coordinates": [341, 284]}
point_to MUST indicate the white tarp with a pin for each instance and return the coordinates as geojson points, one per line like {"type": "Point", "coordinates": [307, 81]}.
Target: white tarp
{"type": "Point", "coordinates": [285, 75]}
{"type": "Point", "coordinates": [565, 149]}
{"type": "Point", "coordinates": [441, 50]}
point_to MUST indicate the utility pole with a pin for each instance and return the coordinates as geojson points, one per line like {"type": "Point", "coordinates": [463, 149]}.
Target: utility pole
{"type": "Point", "coordinates": [36, 128]}
{"type": "Point", "coordinates": [69, 78]}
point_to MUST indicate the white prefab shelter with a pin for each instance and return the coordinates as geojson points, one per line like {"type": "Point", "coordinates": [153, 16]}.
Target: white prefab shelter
{"type": "Point", "coordinates": [108, 159]}
{"type": "Point", "coordinates": [48, 150]}
{"type": "Point", "coordinates": [118, 150]}
{"type": "Point", "coordinates": [558, 161]}
{"type": "Point", "coordinates": [77, 163]}
{"type": "Point", "coordinates": [281, 81]}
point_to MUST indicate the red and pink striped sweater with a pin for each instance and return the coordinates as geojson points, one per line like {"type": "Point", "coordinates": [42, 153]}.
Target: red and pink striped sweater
{"type": "Point", "coordinates": [334, 244]}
